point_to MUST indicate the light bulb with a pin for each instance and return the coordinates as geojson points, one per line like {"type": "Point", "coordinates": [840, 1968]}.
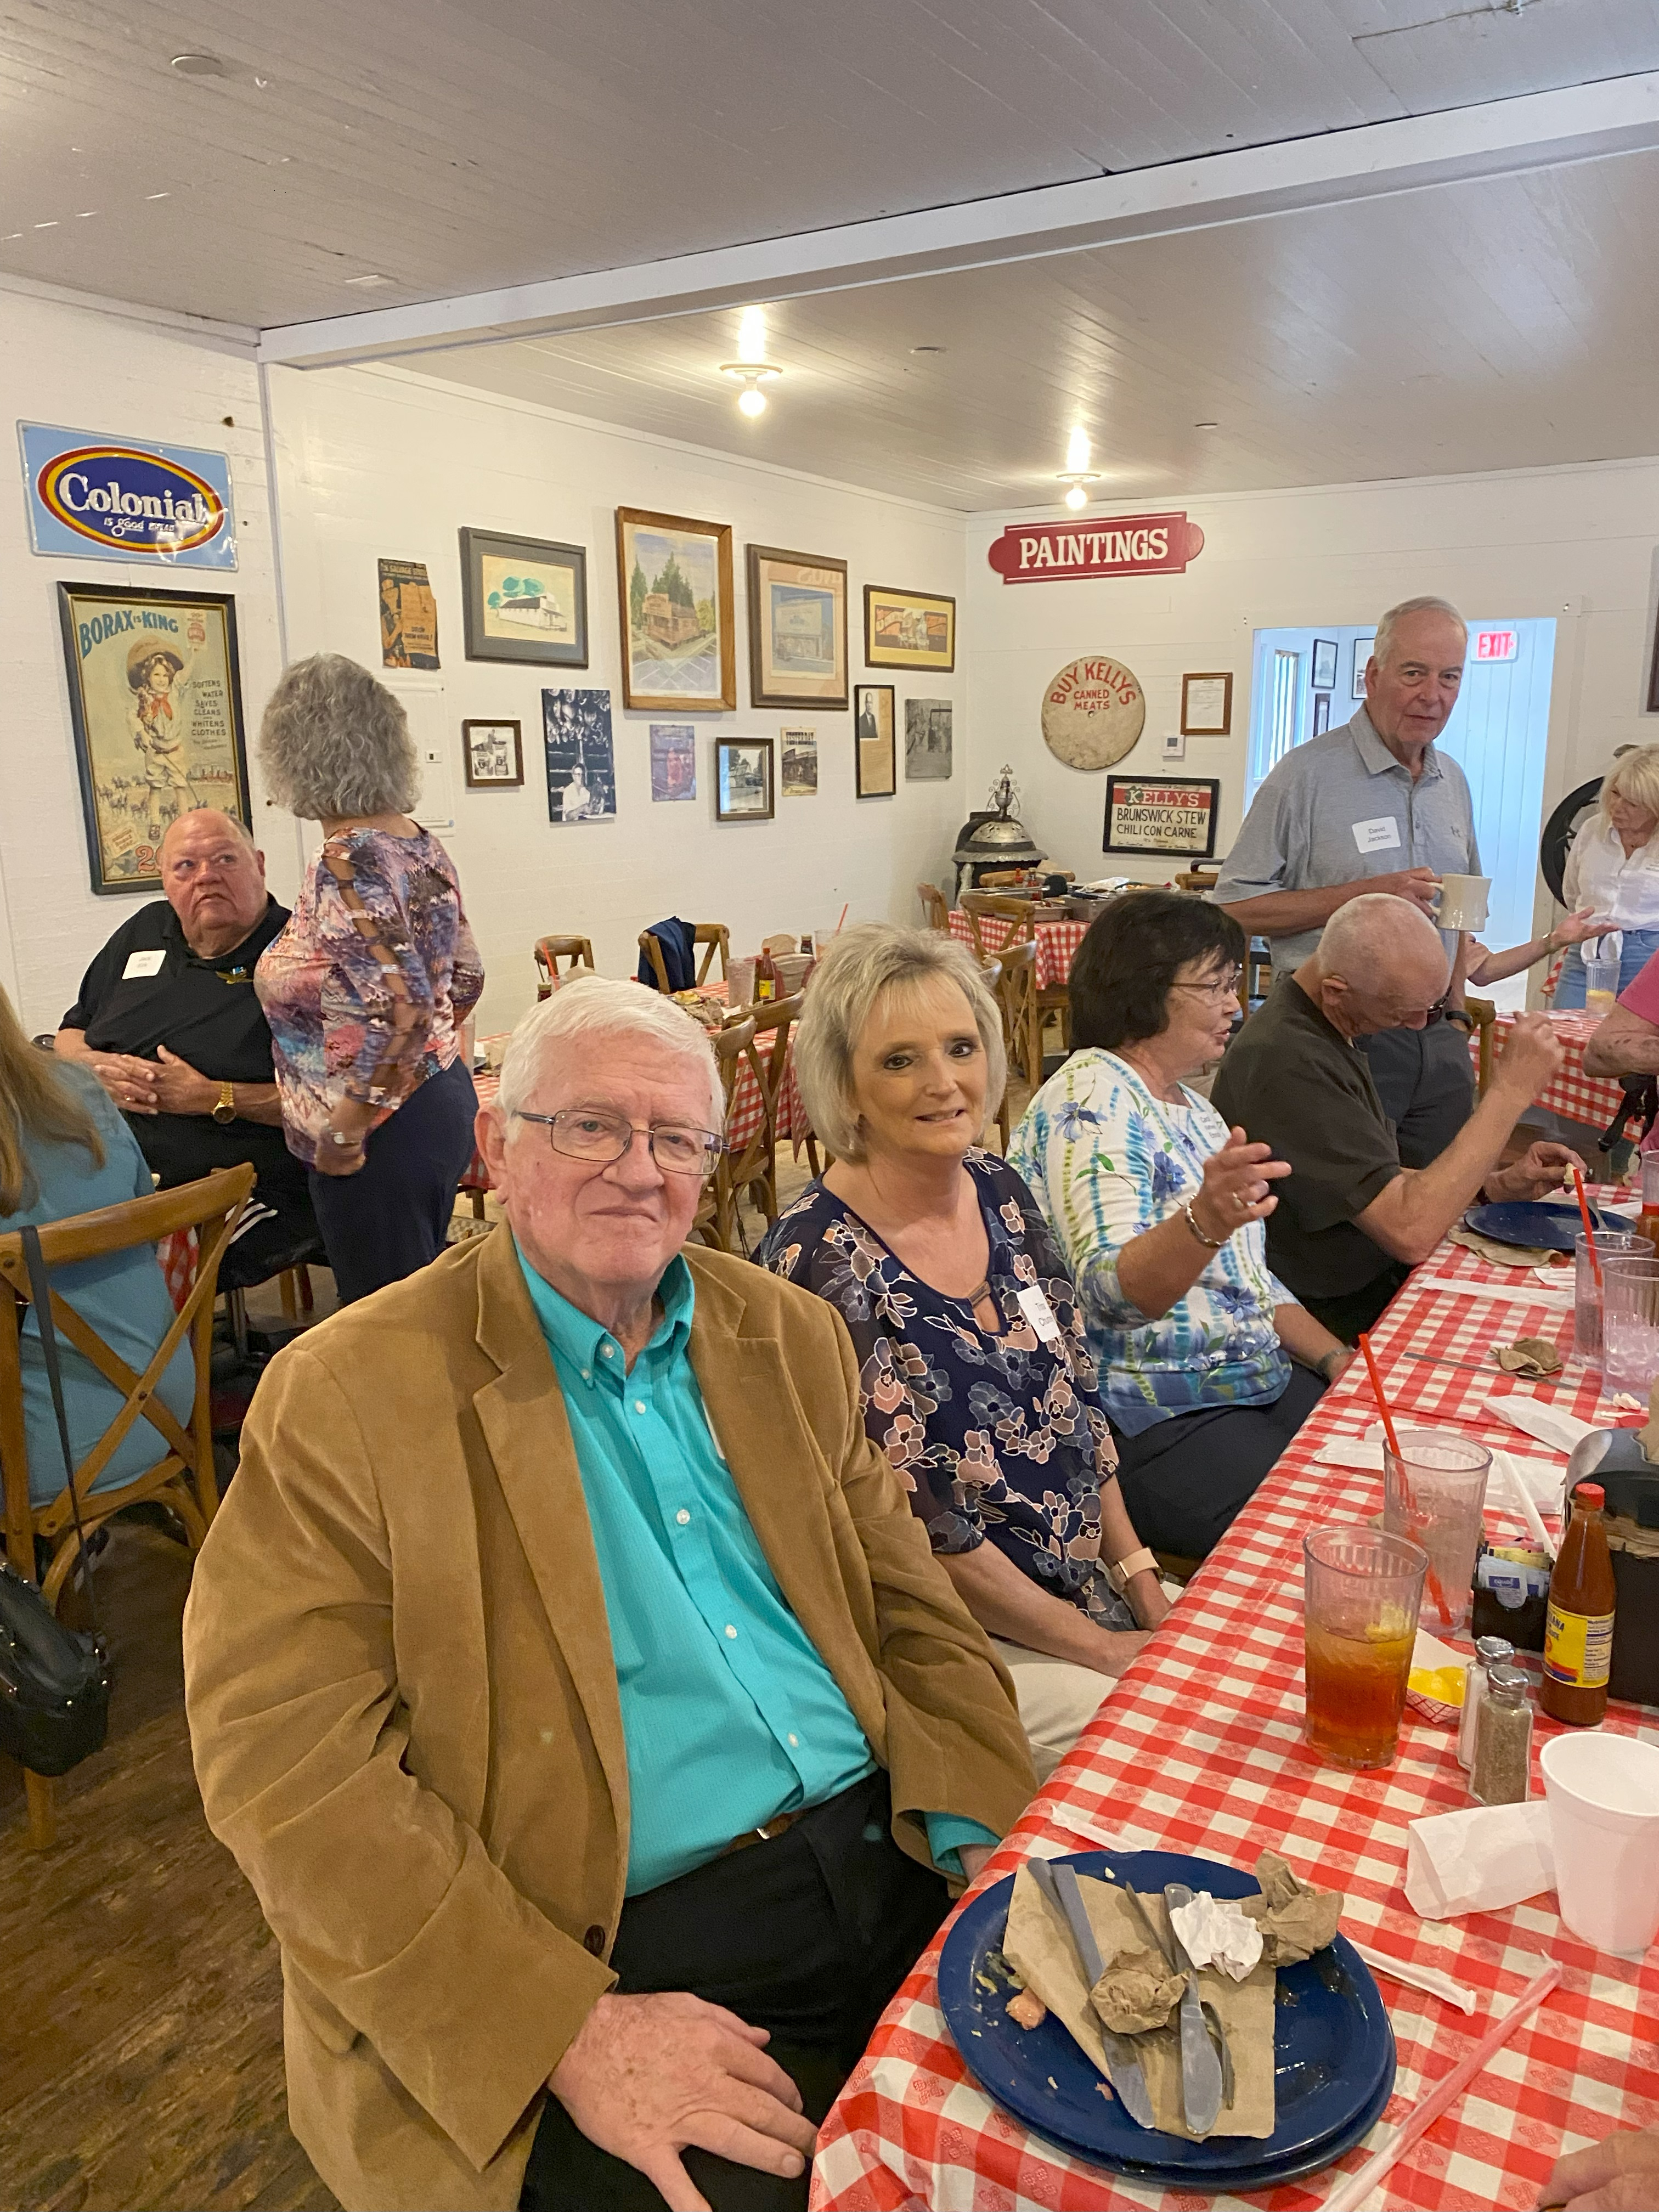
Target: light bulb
{"type": "Point", "coordinates": [752, 402]}
{"type": "Point", "coordinates": [1077, 497]}
{"type": "Point", "coordinates": [1076, 452]}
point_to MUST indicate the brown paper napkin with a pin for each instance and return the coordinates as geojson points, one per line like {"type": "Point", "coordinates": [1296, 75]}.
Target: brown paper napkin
{"type": "Point", "coordinates": [1296, 1920]}
{"type": "Point", "coordinates": [1503, 1256]}
{"type": "Point", "coordinates": [1530, 1356]}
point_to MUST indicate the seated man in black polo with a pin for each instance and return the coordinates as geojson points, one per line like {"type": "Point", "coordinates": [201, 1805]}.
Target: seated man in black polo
{"type": "Point", "coordinates": [169, 1022]}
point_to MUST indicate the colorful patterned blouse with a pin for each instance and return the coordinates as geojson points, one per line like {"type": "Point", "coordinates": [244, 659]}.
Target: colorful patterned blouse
{"type": "Point", "coordinates": [1107, 1161]}
{"type": "Point", "coordinates": [367, 986]}
{"type": "Point", "coordinates": [993, 1436]}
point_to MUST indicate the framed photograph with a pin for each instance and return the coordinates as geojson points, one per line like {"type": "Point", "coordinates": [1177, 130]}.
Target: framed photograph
{"type": "Point", "coordinates": [797, 629]}
{"type": "Point", "coordinates": [1324, 664]}
{"type": "Point", "coordinates": [581, 767]}
{"type": "Point", "coordinates": [1207, 704]}
{"type": "Point", "coordinates": [525, 599]}
{"type": "Point", "coordinates": [674, 580]}
{"type": "Point", "coordinates": [1162, 814]}
{"type": "Point", "coordinates": [408, 616]}
{"type": "Point", "coordinates": [493, 754]}
{"type": "Point", "coordinates": [1653, 673]}
{"type": "Point", "coordinates": [909, 629]}
{"type": "Point", "coordinates": [156, 699]}
{"type": "Point", "coordinates": [1362, 654]}
{"type": "Point", "coordinates": [743, 780]}
{"type": "Point", "coordinates": [674, 760]}
{"type": "Point", "coordinates": [800, 763]}
{"type": "Point", "coordinates": [926, 741]}
{"type": "Point", "coordinates": [873, 749]}
{"type": "Point", "coordinates": [1322, 713]}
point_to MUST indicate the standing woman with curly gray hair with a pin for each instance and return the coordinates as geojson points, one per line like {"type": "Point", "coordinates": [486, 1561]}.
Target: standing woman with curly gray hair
{"type": "Point", "coordinates": [366, 988]}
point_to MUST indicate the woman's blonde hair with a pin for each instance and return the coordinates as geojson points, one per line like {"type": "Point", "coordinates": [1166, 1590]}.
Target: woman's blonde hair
{"type": "Point", "coordinates": [1634, 776]}
{"type": "Point", "coordinates": [35, 1101]}
{"type": "Point", "coordinates": [861, 965]}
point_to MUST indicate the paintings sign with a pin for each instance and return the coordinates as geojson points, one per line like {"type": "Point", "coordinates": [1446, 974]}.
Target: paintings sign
{"type": "Point", "coordinates": [120, 499]}
{"type": "Point", "coordinates": [877, 767]}
{"type": "Point", "coordinates": [674, 576]}
{"type": "Point", "coordinates": [926, 741]}
{"type": "Point", "coordinates": [156, 698]}
{"type": "Point", "coordinates": [1161, 814]}
{"type": "Point", "coordinates": [408, 616]}
{"type": "Point", "coordinates": [743, 780]}
{"type": "Point", "coordinates": [797, 629]}
{"type": "Point", "coordinates": [495, 755]}
{"type": "Point", "coordinates": [1093, 713]}
{"type": "Point", "coordinates": [800, 763]}
{"type": "Point", "coordinates": [581, 768]}
{"type": "Point", "coordinates": [673, 760]}
{"type": "Point", "coordinates": [1125, 545]}
{"type": "Point", "coordinates": [910, 630]}
{"type": "Point", "coordinates": [525, 599]}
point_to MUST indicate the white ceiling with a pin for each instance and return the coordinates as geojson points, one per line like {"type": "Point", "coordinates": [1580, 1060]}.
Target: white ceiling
{"type": "Point", "coordinates": [453, 148]}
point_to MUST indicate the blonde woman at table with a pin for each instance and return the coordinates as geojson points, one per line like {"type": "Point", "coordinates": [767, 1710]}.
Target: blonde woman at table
{"type": "Point", "coordinates": [1614, 868]}
{"type": "Point", "coordinates": [975, 1375]}
{"type": "Point", "coordinates": [1209, 1366]}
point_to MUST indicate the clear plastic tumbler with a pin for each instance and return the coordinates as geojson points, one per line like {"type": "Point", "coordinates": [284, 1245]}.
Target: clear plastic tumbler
{"type": "Point", "coordinates": [1601, 986]}
{"type": "Point", "coordinates": [1629, 1322]}
{"type": "Point", "coordinates": [1586, 1293]}
{"type": "Point", "coordinates": [1434, 1493]}
{"type": "Point", "coordinates": [1362, 1591]}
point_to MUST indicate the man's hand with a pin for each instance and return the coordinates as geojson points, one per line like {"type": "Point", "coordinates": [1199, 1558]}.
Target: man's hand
{"type": "Point", "coordinates": [1237, 1187]}
{"type": "Point", "coordinates": [1619, 2175]}
{"type": "Point", "coordinates": [648, 2077]}
{"type": "Point", "coordinates": [129, 1082]}
{"type": "Point", "coordinates": [1417, 885]}
{"type": "Point", "coordinates": [1541, 1169]}
{"type": "Point", "coordinates": [179, 1088]}
{"type": "Point", "coordinates": [1531, 1056]}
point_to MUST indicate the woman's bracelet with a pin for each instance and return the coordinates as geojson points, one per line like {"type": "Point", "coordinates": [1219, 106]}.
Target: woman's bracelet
{"type": "Point", "coordinates": [1210, 1243]}
{"type": "Point", "coordinates": [1121, 1573]}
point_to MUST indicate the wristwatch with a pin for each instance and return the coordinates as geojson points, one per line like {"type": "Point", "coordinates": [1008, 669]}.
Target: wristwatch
{"type": "Point", "coordinates": [1119, 1572]}
{"type": "Point", "coordinates": [346, 1144]}
{"type": "Point", "coordinates": [224, 1106]}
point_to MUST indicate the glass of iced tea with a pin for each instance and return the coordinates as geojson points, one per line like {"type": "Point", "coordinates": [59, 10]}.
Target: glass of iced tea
{"type": "Point", "coordinates": [1362, 1588]}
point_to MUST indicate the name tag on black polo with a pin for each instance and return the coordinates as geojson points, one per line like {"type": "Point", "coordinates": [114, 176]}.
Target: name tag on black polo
{"type": "Point", "coordinates": [144, 964]}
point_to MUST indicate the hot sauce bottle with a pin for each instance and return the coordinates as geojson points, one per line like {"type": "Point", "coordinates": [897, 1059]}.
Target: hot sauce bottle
{"type": "Point", "coordinates": [766, 976]}
{"type": "Point", "coordinates": [1578, 1631]}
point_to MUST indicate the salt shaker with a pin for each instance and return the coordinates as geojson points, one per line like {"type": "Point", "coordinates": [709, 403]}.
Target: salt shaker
{"type": "Point", "coordinates": [1489, 1651]}
{"type": "Point", "coordinates": [1502, 1741]}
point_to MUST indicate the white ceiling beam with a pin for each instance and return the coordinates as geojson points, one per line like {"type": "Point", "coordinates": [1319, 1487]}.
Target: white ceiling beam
{"type": "Point", "coordinates": [1586, 122]}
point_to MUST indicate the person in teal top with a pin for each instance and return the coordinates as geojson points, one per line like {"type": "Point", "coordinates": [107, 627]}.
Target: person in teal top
{"type": "Point", "coordinates": [64, 1149]}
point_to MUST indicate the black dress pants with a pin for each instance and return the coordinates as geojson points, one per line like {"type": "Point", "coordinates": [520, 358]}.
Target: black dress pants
{"type": "Point", "coordinates": [807, 1935]}
{"type": "Point", "coordinates": [393, 1216]}
{"type": "Point", "coordinates": [1355, 1311]}
{"type": "Point", "coordinates": [1184, 1480]}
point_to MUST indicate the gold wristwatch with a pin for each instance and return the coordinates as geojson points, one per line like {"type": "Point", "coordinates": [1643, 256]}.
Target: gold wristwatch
{"type": "Point", "coordinates": [224, 1106]}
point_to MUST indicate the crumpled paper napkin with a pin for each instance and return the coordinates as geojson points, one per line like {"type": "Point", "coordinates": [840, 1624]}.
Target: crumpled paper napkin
{"type": "Point", "coordinates": [1295, 1918]}
{"type": "Point", "coordinates": [1501, 1255]}
{"type": "Point", "coordinates": [1528, 1355]}
{"type": "Point", "coordinates": [1216, 1931]}
{"type": "Point", "coordinates": [1478, 1860]}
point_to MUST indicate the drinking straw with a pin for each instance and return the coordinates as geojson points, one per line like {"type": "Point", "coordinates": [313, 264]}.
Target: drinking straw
{"type": "Point", "coordinates": [1382, 1402]}
{"type": "Point", "coordinates": [843, 917]}
{"type": "Point", "coordinates": [1589, 1227]}
{"type": "Point", "coordinates": [1353, 2192]}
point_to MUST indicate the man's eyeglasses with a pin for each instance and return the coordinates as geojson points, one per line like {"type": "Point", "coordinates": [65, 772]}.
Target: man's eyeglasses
{"type": "Point", "coordinates": [580, 1134]}
{"type": "Point", "coordinates": [1223, 986]}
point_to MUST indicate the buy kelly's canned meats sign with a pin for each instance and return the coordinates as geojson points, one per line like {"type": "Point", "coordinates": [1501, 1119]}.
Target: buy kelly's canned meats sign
{"type": "Point", "coordinates": [113, 499]}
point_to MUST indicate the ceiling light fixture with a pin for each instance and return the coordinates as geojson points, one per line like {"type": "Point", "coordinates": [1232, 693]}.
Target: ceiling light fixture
{"type": "Point", "coordinates": [1207, 426]}
{"type": "Point", "coordinates": [928, 349]}
{"type": "Point", "coordinates": [751, 375]}
{"type": "Point", "coordinates": [370, 281]}
{"type": "Point", "coordinates": [1077, 472]}
{"type": "Point", "coordinates": [198, 65]}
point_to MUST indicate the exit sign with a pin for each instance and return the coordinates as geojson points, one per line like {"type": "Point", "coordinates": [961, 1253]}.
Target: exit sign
{"type": "Point", "coordinates": [1495, 644]}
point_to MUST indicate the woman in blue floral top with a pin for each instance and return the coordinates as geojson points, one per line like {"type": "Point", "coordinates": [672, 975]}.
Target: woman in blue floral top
{"type": "Point", "coordinates": [1157, 1207]}
{"type": "Point", "coordinates": [976, 1375]}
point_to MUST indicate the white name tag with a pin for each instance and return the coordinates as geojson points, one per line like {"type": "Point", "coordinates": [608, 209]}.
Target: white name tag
{"type": "Point", "coordinates": [1379, 836]}
{"type": "Point", "coordinates": [143, 963]}
{"type": "Point", "coordinates": [1038, 1311]}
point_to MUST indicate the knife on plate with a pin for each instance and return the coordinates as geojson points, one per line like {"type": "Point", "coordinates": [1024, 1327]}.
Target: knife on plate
{"type": "Point", "coordinates": [1058, 1885]}
{"type": "Point", "coordinates": [1200, 2069]}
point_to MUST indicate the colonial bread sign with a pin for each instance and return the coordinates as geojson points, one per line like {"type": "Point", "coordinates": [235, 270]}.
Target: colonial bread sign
{"type": "Point", "coordinates": [1093, 713]}
{"type": "Point", "coordinates": [1118, 545]}
{"type": "Point", "coordinates": [120, 500]}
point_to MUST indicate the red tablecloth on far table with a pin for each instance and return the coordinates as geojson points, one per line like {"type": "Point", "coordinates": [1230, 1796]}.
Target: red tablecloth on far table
{"type": "Point", "coordinates": [1200, 1750]}
{"type": "Point", "coordinates": [1592, 1100]}
{"type": "Point", "coordinates": [1056, 942]}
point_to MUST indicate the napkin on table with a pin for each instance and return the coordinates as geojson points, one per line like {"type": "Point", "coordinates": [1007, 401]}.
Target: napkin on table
{"type": "Point", "coordinates": [1478, 1860]}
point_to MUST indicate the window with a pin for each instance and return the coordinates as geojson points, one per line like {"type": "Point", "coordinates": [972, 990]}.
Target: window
{"type": "Point", "coordinates": [1279, 731]}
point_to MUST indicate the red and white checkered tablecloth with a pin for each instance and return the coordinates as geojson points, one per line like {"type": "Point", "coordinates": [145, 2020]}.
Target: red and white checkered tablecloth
{"type": "Point", "coordinates": [1592, 1100]}
{"type": "Point", "coordinates": [1200, 1750]}
{"type": "Point", "coordinates": [1057, 942]}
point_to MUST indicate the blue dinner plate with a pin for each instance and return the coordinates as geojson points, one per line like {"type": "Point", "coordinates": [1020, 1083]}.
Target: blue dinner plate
{"type": "Point", "coordinates": [1528, 1221]}
{"type": "Point", "coordinates": [1333, 2048]}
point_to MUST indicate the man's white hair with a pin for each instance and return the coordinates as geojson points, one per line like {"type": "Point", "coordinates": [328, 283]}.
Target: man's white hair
{"type": "Point", "coordinates": [1383, 644]}
{"type": "Point", "coordinates": [1373, 941]}
{"type": "Point", "coordinates": [243, 834]}
{"type": "Point", "coordinates": [587, 1006]}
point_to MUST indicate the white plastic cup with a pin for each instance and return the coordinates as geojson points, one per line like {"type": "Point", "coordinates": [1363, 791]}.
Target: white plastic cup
{"type": "Point", "coordinates": [1603, 1796]}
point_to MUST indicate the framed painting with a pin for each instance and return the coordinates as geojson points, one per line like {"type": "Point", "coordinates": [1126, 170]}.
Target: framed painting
{"type": "Point", "coordinates": [1162, 814]}
{"type": "Point", "coordinates": [743, 780]}
{"type": "Point", "coordinates": [674, 760]}
{"type": "Point", "coordinates": [408, 616]}
{"type": "Point", "coordinates": [1322, 713]}
{"type": "Point", "coordinates": [674, 582]}
{"type": "Point", "coordinates": [1324, 664]}
{"type": "Point", "coordinates": [873, 751]}
{"type": "Point", "coordinates": [524, 599]}
{"type": "Point", "coordinates": [797, 629]}
{"type": "Point", "coordinates": [1362, 654]}
{"type": "Point", "coordinates": [800, 763]}
{"type": "Point", "coordinates": [581, 767]}
{"type": "Point", "coordinates": [494, 756]}
{"type": "Point", "coordinates": [909, 629]}
{"type": "Point", "coordinates": [927, 740]}
{"type": "Point", "coordinates": [155, 700]}
{"type": "Point", "coordinates": [1207, 703]}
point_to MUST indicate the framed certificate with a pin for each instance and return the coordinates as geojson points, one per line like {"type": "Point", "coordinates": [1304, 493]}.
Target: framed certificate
{"type": "Point", "coordinates": [1207, 704]}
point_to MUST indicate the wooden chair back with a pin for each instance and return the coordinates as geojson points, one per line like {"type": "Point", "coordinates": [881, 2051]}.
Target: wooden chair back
{"type": "Point", "coordinates": [1483, 1012]}
{"type": "Point", "coordinates": [550, 951]}
{"type": "Point", "coordinates": [760, 1176]}
{"type": "Point", "coordinates": [933, 906]}
{"type": "Point", "coordinates": [713, 935]}
{"type": "Point", "coordinates": [976, 905]}
{"type": "Point", "coordinates": [1197, 879]}
{"type": "Point", "coordinates": [1016, 995]}
{"type": "Point", "coordinates": [716, 1216]}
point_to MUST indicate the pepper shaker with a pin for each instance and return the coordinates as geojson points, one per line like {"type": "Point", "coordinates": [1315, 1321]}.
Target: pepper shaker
{"type": "Point", "coordinates": [1489, 1651]}
{"type": "Point", "coordinates": [1502, 1741]}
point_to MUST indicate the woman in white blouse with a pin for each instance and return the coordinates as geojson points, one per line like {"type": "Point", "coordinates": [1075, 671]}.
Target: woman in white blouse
{"type": "Point", "coordinates": [1614, 869]}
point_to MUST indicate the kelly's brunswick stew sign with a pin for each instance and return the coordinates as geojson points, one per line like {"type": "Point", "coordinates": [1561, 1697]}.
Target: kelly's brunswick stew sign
{"type": "Point", "coordinates": [1120, 546]}
{"type": "Point", "coordinates": [1161, 814]}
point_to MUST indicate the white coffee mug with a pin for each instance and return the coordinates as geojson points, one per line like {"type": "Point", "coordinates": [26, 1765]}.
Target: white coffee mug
{"type": "Point", "coordinates": [1461, 903]}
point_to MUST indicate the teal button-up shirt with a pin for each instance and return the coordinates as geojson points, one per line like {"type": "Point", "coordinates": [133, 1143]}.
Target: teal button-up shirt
{"type": "Point", "coordinates": [729, 1714]}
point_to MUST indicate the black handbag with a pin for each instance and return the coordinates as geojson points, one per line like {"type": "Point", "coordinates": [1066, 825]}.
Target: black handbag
{"type": "Point", "coordinates": [54, 1681]}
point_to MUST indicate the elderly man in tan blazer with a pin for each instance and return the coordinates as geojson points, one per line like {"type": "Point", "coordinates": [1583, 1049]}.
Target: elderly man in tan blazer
{"type": "Point", "coordinates": [576, 1686]}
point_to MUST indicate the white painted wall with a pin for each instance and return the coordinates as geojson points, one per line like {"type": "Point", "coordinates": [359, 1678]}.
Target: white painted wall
{"type": "Point", "coordinates": [1576, 543]}
{"type": "Point", "coordinates": [116, 374]}
{"type": "Point", "coordinates": [381, 461]}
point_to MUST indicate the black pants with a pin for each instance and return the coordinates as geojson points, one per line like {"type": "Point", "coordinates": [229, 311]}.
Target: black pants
{"type": "Point", "coordinates": [1426, 1080]}
{"type": "Point", "coordinates": [808, 1935]}
{"type": "Point", "coordinates": [1352, 1315]}
{"type": "Point", "coordinates": [393, 1216]}
{"type": "Point", "coordinates": [1185, 1480]}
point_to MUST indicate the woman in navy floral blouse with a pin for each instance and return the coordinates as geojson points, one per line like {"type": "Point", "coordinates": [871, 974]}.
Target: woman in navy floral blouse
{"type": "Point", "coordinates": [976, 1375]}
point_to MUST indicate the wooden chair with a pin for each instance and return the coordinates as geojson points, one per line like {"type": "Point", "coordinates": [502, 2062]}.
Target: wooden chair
{"type": "Point", "coordinates": [1200, 879]}
{"type": "Point", "coordinates": [182, 1475]}
{"type": "Point", "coordinates": [761, 1180]}
{"type": "Point", "coordinates": [933, 906]}
{"type": "Point", "coordinates": [550, 951]}
{"type": "Point", "coordinates": [714, 936]}
{"type": "Point", "coordinates": [716, 1220]}
{"type": "Point", "coordinates": [976, 905]}
{"type": "Point", "coordinates": [1483, 1012]}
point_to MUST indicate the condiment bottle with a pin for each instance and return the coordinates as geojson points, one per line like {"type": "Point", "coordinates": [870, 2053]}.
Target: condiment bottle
{"type": "Point", "coordinates": [766, 975]}
{"type": "Point", "coordinates": [1647, 1223]}
{"type": "Point", "coordinates": [1578, 1632]}
{"type": "Point", "coordinates": [1489, 1652]}
{"type": "Point", "coordinates": [1503, 1747]}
